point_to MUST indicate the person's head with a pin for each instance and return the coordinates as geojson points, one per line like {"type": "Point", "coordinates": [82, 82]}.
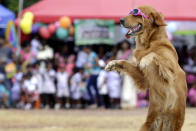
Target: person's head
{"type": "Point", "coordinates": [26, 46]}
{"type": "Point", "coordinates": [101, 64]}
{"type": "Point", "coordinates": [87, 49]}
{"type": "Point", "coordinates": [37, 66]}
{"type": "Point", "coordinates": [44, 43]}
{"type": "Point", "coordinates": [36, 37]}
{"type": "Point", "coordinates": [62, 67]}
{"type": "Point", "coordinates": [125, 45]}
{"type": "Point", "coordinates": [30, 67]}
{"type": "Point", "coordinates": [81, 70]}
{"type": "Point", "coordinates": [27, 76]}
{"type": "Point", "coordinates": [49, 65]}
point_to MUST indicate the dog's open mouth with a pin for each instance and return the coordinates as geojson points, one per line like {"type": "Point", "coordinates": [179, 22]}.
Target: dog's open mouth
{"type": "Point", "coordinates": [132, 30]}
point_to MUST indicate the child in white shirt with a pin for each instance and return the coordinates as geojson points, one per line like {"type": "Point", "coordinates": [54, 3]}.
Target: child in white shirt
{"type": "Point", "coordinates": [29, 88]}
{"type": "Point", "coordinates": [114, 88]}
{"type": "Point", "coordinates": [76, 87]}
{"type": "Point", "coordinates": [48, 89]}
{"type": "Point", "coordinates": [102, 85]}
{"type": "Point", "coordinates": [63, 92]}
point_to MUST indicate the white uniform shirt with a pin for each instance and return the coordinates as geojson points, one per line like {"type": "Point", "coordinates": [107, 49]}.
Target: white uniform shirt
{"type": "Point", "coordinates": [101, 82]}
{"type": "Point", "coordinates": [76, 86]}
{"type": "Point", "coordinates": [48, 82]}
{"type": "Point", "coordinates": [114, 84]}
{"type": "Point", "coordinates": [62, 79]}
{"type": "Point", "coordinates": [62, 84]}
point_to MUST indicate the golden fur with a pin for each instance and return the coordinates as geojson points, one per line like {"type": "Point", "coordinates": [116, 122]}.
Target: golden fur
{"type": "Point", "coordinates": [155, 67]}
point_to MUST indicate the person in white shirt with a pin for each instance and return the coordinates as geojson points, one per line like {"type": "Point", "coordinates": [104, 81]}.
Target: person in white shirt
{"type": "Point", "coordinates": [48, 89]}
{"type": "Point", "coordinates": [102, 85]}
{"type": "Point", "coordinates": [81, 58]}
{"type": "Point", "coordinates": [37, 72]}
{"type": "Point", "coordinates": [29, 87]}
{"type": "Point", "coordinates": [114, 88]}
{"type": "Point", "coordinates": [63, 93]}
{"type": "Point", "coordinates": [35, 45]}
{"type": "Point", "coordinates": [76, 87]}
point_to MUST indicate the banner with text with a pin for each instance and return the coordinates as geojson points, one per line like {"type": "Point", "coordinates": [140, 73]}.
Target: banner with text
{"type": "Point", "coordinates": [88, 32]}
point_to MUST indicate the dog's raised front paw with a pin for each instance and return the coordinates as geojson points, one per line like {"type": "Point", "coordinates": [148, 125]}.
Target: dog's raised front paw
{"type": "Point", "coordinates": [113, 66]}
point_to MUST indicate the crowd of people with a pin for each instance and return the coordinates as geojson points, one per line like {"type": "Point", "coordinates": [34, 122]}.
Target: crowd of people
{"type": "Point", "coordinates": [39, 77]}
{"type": "Point", "coordinates": [187, 60]}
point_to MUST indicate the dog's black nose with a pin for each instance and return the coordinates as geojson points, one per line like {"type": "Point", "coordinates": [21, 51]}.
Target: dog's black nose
{"type": "Point", "coordinates": [122, 21]}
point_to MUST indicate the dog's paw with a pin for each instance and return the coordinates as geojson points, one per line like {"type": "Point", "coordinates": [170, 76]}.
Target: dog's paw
{"type": "Point", "coordinates": [113, 66]}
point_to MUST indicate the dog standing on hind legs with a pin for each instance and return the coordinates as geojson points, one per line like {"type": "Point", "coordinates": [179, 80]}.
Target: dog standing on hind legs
{"type": "Point", "coordinates": [154, 66]}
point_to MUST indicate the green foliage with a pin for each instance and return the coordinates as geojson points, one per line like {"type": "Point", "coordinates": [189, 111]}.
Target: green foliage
{"type": "Point", "coordinates": [13, 4]}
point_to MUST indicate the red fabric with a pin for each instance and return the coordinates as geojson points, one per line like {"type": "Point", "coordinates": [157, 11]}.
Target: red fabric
{"type": "Point", "coordinates": [51, 10]}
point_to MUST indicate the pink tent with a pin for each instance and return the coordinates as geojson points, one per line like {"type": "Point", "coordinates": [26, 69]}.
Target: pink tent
{"type": "Point", "coordinates": [51, 10]}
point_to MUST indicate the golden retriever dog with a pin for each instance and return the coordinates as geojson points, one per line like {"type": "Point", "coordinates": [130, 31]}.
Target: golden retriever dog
{"type": "Point", "coordinates": [155, 67]}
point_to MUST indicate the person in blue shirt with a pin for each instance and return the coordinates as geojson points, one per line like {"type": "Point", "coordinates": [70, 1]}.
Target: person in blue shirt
{"type": "Point", "coordinates": [92, 69]}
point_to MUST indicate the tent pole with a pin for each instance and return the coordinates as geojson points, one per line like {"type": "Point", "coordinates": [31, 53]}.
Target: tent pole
{"type": "Point", "coordinates": [20, 5]}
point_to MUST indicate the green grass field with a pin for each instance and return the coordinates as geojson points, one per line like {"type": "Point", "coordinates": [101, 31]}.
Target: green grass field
{"type": "Point", "coordinates": [80, 120]}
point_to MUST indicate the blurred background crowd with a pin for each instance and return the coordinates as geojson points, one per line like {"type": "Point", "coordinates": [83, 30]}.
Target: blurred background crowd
{"type": "Point", "coordinates": [70, 78]}
{"type": "Point", "coordinates": [54, 61]}
{"type": "Point", "coordinates": [73, 77]}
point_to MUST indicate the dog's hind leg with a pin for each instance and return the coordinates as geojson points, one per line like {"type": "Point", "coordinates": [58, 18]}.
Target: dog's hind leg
{"type": "Point", "coordinates": [153, 120]}
{"type": "Point", "coordinates": [168, 122]}
{"type": "Point", "coordinates": [131, 70]}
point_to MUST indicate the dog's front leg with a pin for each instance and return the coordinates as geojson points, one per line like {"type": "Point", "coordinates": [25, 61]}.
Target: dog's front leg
{"type": "Point", "coordinates": [132, 70]}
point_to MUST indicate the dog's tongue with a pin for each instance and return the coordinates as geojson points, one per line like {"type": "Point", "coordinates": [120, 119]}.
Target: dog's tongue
{"type": "Point", "coordinates": [126, 35]}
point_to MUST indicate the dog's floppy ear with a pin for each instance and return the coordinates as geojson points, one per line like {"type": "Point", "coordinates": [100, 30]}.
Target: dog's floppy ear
{"type": "Point", "coordinates": [158, 19]}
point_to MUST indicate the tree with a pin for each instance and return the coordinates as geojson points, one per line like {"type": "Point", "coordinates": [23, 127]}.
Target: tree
{"type": "Point", "coordinates": [13, 4]}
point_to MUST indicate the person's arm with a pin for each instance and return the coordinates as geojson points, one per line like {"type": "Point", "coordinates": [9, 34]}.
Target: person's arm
{"type": "Point", "coordinates": [97, 61]}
